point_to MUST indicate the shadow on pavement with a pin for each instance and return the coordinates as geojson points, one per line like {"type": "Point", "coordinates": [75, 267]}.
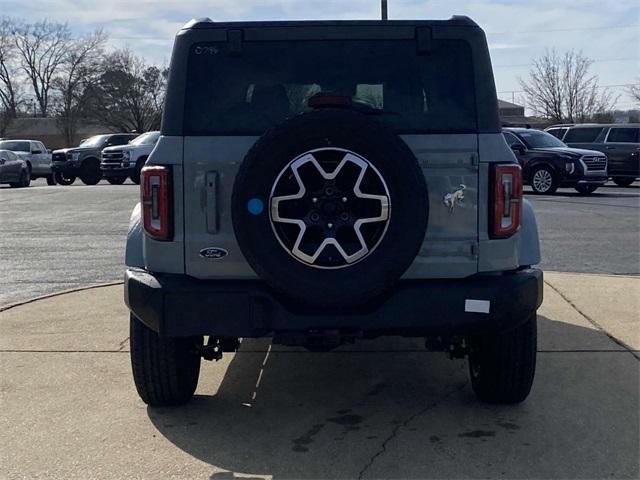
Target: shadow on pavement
{"type": "Point", "coordinates": [407, 413]}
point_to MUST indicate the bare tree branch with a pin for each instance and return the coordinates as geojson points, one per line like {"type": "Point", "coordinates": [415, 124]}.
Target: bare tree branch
{"type": "Point", "coordinates": [42, 47]}
{"type": "Point", "coordinates": [634, 90]}
{"type": "Point", "coordinates": [130, 92]}
{"type": "Point", "coordinates": [561, 89]}
{"type": "Point", "coordinates": [10, 93]}
{"type": "Point", "coordinates": [80, 70]}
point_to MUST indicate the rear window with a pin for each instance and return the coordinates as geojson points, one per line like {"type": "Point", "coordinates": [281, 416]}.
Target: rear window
{"type": "Point", "coordinates": [582, 135]}
{"type": "Point", "coordinates": [15, 146]}
{"type": "Point", "coordinates": [623, 135]}
{"type": "Point", "coordinates": [247, 93]}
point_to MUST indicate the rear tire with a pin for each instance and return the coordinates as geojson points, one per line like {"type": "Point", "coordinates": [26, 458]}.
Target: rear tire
{"type": "Point", "coordinates": [543, 180]}
{"type": "Point", "coordinates": [586, 189]}
{"type": "Point", "coordinates": [623, 181]}
{"type": "Point", "coordinates": [90, 172]}
{"type": "Point", "coordinates": [502, 366]}
{"type": "Point", "coordinates": [116, 180]}
{"type": "Point", "coordinates": [165, 370]}
{"type": "Point", "coordinates": [63, 179]}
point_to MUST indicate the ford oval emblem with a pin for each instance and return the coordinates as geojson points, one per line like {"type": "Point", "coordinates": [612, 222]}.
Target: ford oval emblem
{"type": "Point", "coordinates": [213, 253]}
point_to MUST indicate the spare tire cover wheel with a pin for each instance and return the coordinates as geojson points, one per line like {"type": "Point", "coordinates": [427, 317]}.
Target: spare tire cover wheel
{"type": "Point", "coordinates": [330, 208]}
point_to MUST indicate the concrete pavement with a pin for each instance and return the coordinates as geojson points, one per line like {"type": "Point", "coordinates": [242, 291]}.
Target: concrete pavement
{"type": "Point", "coordinates": [378, 409]}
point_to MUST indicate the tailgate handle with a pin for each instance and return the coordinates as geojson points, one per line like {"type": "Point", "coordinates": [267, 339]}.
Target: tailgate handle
{"type": "Point", "coordinates": [211, 206]}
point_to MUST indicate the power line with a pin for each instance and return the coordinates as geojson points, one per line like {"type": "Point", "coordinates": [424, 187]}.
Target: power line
{"type": "Point", "coordinates": [599, 86]}
{"type": "Point", "coordinates": [602, 60]}
{"type": "Point", "coordinates": [564, 30]}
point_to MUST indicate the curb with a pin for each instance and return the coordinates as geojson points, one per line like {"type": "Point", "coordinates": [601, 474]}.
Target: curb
{"type": "Point", "coordinates": [4, 308]}
{"type": "Point", "coordinates": [585, 274]}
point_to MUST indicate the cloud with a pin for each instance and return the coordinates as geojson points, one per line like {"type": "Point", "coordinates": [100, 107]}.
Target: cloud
{"type": "Point", "coordinates": [517, 30]}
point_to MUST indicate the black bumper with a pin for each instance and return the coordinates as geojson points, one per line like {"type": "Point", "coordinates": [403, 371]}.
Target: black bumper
{"type": "Point", "coordinates": [178, 305]}
{"type": "Point", "coordinates": [68, 167]}
{"type": "Point", "coordinates": [584, 181]}
{"type": "Point", "coordinates": [116, 171]}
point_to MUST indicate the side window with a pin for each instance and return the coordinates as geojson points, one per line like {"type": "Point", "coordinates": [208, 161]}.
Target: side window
{"type": "Point", "coordinates": [582, 135]}
{"type": "Point", "coordinates": [511, 139]}
{"type": "Point", "coordinates": [557, 132]}
{"type": "Point", "coordinates": [623, 135]}
{"type": "Point", "coordinates": [41, 147]}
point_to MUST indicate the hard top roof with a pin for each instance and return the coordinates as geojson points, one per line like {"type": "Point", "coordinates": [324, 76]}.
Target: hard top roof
{"type": "Point", "coordinates": [455, 20]}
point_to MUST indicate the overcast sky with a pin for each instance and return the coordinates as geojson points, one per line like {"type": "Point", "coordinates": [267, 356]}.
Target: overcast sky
{"type": "Point", "coordinates": [608, 31]}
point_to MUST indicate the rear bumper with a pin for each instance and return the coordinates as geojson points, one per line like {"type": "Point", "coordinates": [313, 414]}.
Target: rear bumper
{"type": "Point", "coordinates": [178, 305]}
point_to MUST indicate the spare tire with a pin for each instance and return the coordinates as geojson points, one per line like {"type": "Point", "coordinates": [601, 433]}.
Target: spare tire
{"type": "Point", "coordinates": [330, 208]}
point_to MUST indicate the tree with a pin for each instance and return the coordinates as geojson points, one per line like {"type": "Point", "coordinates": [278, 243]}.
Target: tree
{"type": "Point", "coordinates": [77, 74]}
{"type": "Point", "coordinates": [42, 47]}
{"type": "Point", "coordinates": [9, 79]}
{"type": "Point", "coordinates": [634, 90]}
{"type": "Point", "coordinates": [130, 93]}
{"type": "Point", "coordinates": [560, 88]}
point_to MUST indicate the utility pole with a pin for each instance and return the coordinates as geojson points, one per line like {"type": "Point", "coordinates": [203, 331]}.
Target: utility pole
{"type": "Point", "coordinates": [383, 8]}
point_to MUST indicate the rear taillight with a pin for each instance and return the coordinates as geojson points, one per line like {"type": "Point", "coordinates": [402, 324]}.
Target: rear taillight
{"type": "Point", "coordinates": [507, 200]}
{"type": "Point", "coordinates": [155, 190]}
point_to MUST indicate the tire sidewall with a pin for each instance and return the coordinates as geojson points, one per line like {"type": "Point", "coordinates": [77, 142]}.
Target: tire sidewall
{"type": "Point", "coordinates": [90, 172]}
{"type": "Point", "coordinates": [554, 180]}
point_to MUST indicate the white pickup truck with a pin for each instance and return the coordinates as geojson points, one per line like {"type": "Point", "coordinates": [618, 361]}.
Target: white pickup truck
{"type": "Point", "coordinates": [122, 161]}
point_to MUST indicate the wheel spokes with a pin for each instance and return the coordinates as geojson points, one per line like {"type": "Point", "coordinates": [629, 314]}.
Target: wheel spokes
{"type": "Point", "coordinates": [349, 204]}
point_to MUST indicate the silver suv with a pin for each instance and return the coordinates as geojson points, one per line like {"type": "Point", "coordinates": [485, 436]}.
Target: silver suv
{"type": "Point", "coordinates": [322, 182]}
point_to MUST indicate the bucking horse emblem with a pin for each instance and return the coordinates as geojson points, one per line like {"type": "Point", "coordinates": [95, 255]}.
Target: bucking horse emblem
{"type": "Point", "coordinates": [455, 198]}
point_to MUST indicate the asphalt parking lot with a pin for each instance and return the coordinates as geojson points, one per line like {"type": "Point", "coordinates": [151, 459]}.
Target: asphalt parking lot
{"type": "Point", "coordinates": [55, 238]}
{"type": "Point", "coordinates": [69, 408]}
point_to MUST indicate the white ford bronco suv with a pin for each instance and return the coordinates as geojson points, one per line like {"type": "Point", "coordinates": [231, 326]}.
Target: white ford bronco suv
{"type": "Point", "coordinates": [325, 181]}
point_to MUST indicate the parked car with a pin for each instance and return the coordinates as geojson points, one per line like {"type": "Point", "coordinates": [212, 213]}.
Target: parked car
{"type": "Point", "coordinates": [36, 156]}
{"type": "Point", "coordinates": [548, 164]}
{"type": "Point", "coordinates": [84, 160]}
{"type": "Point", "coordinates": [291, 201]}
{"type": "Point", "coordinates": [120, 162]}
{"type": "Point", "coordinates": [14, 170]}
{"type": "Point", "coordinates": [620, 142]}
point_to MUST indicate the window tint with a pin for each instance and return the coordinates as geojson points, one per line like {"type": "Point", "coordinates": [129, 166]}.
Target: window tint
{"type": "Point", "coordinates": [119, 139]}
{"type": "Point", "coordinates": [248, 93]}
{"type": "Point", "coordinates": [511, 139]}
{"type": "Point", "coordinates": [148, 138]}
{"type": "Point", "coordinates": [539, 139]}
{"type": "Point", "coordinates": [15, 146]}
{"type": "Point", "coordinates": [623, 135]}
{"type": "Point", "coordinates": [582, 135]}
{"type": "Point", "coordinates": [557, 132]}
{"type": "Point", "coordinates": [95, 141]}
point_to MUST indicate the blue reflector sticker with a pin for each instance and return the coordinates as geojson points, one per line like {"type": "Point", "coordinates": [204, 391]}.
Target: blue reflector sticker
{"type": "Point", "coordinates": [255, 206]}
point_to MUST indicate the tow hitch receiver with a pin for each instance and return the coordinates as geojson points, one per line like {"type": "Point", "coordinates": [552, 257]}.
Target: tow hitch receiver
{"type": "Point", "coordinates": [216, 345]}
{"type": "Point", "coordinates": [316, 340]}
